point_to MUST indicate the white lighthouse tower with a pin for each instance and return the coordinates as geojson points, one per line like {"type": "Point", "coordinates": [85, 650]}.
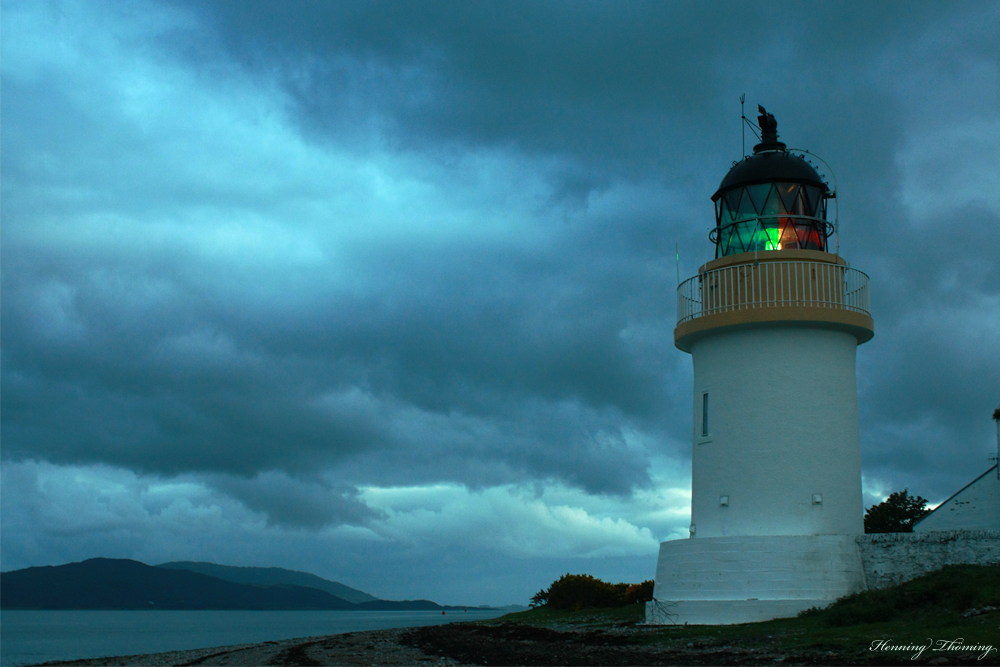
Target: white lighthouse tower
{"type": "Point", "coordinates": [772, 325]}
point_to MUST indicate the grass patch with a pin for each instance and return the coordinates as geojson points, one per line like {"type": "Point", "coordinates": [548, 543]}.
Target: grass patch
{"type": "Point", "coordinates": [928, 607]}
{"type": "Point", "coordinates": [953, 590]}
{"type": "Point", "coordinates": [547, 617]}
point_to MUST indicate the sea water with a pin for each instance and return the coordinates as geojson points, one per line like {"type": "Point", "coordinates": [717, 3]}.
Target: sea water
{"type": "Point", "coordinates": [29, 637]}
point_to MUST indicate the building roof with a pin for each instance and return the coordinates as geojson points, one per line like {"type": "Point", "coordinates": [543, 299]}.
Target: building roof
{"type": "Point", "coordinates": [988, 471]}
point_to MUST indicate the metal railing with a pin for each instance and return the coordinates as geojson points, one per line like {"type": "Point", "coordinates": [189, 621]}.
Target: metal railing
{"type": "Point", "coordinates": [772, 285]}
{"type": "Point", "coordinates": [775, 222]}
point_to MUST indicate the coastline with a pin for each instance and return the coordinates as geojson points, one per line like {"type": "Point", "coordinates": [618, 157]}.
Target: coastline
{"type": "Point", "coordinates": [370, 647]}
{"type": "Point", "coordinates": [511, 643]}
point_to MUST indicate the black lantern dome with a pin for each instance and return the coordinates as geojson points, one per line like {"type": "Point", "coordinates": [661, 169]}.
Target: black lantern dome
{"type": "Point", "coordinates": [771, 200]}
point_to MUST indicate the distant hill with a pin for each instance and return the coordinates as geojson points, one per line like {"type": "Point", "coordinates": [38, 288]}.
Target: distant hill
{"type": "Point", "coordinates": [271, 576]}
{"type": "Point", "coordinates": [105, 583]}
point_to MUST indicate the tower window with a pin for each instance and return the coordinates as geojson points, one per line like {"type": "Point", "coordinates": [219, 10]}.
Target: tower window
{"type": "Point", "coordinates": [704, 414]}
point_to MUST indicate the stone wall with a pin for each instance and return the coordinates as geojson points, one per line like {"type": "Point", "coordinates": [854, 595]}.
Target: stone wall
{"type": "Point", "coordinates": [892, 558]}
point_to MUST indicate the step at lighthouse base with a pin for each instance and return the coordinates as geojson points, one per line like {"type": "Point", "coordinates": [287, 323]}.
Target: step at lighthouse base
{"type": "Point", "coordinates": [727, 580]}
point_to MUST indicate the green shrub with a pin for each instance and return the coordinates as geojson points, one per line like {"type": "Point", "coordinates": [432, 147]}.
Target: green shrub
{"type": "Point", "coordinates": [638, 592]}
{"type": "Point", "coordinates": [580, 591]}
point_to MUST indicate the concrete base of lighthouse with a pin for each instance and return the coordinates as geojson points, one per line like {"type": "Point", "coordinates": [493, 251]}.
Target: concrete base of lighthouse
{"type": "Point", "coordinates": [727, 580]}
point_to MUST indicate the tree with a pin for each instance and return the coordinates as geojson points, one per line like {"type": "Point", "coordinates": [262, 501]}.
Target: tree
{"type": "Point", "coordinates": [896, 514]}
{"type": "Point", "coordinates": [578, 591]}
{"type": "Point", "coordinates": [539, 599]}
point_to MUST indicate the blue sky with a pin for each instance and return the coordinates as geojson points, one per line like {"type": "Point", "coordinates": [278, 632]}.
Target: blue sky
{"type": "Point", "coordinates": [385, 291]}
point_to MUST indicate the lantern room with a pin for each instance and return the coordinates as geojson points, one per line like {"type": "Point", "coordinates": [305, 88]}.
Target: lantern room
{"type": "Point", "coordinates": [771, 200]}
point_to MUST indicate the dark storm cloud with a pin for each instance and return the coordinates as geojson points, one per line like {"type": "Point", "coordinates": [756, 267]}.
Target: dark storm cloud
{"type": "Point", "coordinates": [635, 90]}
{"type": "Point", "coordinates": [481, 360]}
{"type": "Point", "coordinates": [201, 385]}
{"type": "Point", "coordinates": [158, 368]}
{"type": "Point", "coordinates": [622, 88]}
{"type": "Point", "coordinates": [298, 503]}
{"type": "Point", "coordinates": [932, 384]}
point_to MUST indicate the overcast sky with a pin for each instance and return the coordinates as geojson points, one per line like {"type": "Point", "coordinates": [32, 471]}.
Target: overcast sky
{"type": "Point", "coordinates": [385, 291]}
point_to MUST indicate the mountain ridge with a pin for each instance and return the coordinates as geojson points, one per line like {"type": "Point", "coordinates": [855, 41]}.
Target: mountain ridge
{"type": "Point", "coordinates": [270, 576]}
{"type": "Point", "coordinates": [108, 583]}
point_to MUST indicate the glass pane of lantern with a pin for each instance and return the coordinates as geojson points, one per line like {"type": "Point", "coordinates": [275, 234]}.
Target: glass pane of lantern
{"type": "Point", "coordinates": [732, 201]}
{"type": "Point", "coordinates": [758, 194]}
{"type": "Point", "coordinates": [730, 241]}
{"type": "Point", "coordinates": [746, 209]}
{"type": "Point", "coordinates": [748, 235]}
{"type": "Point", "coordinates": [812, 200]}
{"type": "Point", "coordinates": [801, 204]}
{"type": "Point", "coordinates": [817, 237]}
{"type": "Point", "coordinates": [725, 241]}
{"type": "Point", "coordinates": [743, 238]}
{"type": "Point", "coordinates": [773, 206]}
{"type": "Point", "coordinates": [809, 237]}
{"type": "Point", "coordinates": [731, 204]}
{"type": "Point", "coordinates": [789, 197]}
{"type": "Point", "coordinates": [722, 247]}
{"type": "Point", "coordinates": [788, 237]}
{"type": "Point", "coordinates": [770, 238]}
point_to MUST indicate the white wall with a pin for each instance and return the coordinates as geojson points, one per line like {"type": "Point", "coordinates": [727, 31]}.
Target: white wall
{"type": "Point", "coordinates": [747, 579]}
{"type": "Point", "coordinates": [785, 567]}
{"type": "Point", "coordinates": [722, 580]}
{"type": "Point", "coordinates": [783, 425]}
{"type": "Point", "coordinates": [976, 507]}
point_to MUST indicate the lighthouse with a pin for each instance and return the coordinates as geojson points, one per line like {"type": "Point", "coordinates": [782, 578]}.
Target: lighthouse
{"type": "Point", "coordinates": [772, 324]}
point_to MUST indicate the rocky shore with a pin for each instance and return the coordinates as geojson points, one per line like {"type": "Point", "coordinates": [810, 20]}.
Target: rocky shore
{"type": "Point", "coordinates": [511, 644]}
{"type": "Point", "coordinates": [375, 647]}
